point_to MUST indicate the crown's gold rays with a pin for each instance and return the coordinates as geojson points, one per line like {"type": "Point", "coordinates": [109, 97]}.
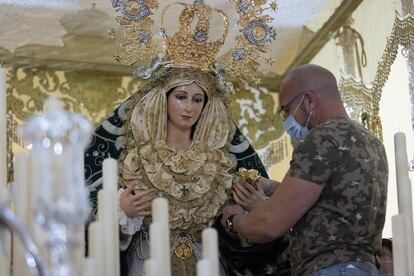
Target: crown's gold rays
{"type": "Point", "coordinates": [191, 45]}
{"type": "Point", "coordinates": [273, 6]}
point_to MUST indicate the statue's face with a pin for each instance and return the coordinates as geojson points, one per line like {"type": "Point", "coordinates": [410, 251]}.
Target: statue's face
{"type": "Point", "coordinates": [185, 104]}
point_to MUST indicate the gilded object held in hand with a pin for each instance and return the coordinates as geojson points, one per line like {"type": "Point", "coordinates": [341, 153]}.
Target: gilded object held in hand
{"type": "Point", "coordinates": [249, 176]}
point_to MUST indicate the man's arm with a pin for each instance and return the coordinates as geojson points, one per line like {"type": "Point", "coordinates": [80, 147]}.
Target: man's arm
{"type": "Point", "coordinates": [292, 199]}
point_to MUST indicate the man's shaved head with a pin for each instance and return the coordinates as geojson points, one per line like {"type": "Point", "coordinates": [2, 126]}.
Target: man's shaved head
{"type": "Point", "coordinates": [320, 99]}
{"type": "Point", "coordinates": [312, 77]}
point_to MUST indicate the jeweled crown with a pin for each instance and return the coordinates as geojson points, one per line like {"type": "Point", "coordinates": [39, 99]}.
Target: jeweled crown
{"type": "Point", "coordinates": [191, 45]}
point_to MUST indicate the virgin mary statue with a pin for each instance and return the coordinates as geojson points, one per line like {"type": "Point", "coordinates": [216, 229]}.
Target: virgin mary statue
{"type": "Point", "coordinates": [175, 138]}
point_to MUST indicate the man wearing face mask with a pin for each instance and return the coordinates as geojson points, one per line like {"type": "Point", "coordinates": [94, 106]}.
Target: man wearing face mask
{"type": "Point", "coordinates": [333, 198]}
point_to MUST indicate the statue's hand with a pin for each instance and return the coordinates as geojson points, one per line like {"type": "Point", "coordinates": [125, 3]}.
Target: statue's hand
{"type": "Point", "coordinates": [138, 203]}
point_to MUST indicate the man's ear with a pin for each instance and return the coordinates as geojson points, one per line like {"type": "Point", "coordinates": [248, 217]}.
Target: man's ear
{"type": "Point", "coordinates": [310, 101]}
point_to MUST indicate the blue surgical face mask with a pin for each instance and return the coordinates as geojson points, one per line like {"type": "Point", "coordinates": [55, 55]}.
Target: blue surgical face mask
{"type": "Point", "coordinates": [293, 128]}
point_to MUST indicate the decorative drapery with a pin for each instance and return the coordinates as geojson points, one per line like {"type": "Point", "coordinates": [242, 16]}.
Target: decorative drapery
{"type": "Point", "coordinates": [364, 99]}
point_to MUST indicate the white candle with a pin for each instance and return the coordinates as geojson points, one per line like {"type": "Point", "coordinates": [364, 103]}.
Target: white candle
{"type": "Point", "coordinates": [3, 132]}
{"type": "Point", "coordinates": [151, 268]}
{"type": "Point", "coordinates": [96, 248]}
{"type": "Point", "coordinates": [21, 171]}
{"type": "Point", "coordinates": [203, 268]}
{"type": "Point", "coordinates": [110, 174]}
{"type": "Point", "coordinates": [38, 234]}
{"type": "Point", "coordinates": [4, 243]}
{"type": "Point", "coordinates": [107, 213]}
{"type": "Point", "coordinates": [157, 244]}
{"type": "Point", "coordinates": [160, 215]}
{"type": "Point", "coordinates": [399, 246]}
{"type": "Point", "coordinates": [80, 196]}
{"type": "Point", "coordinates": [405, 206]}
{"type": "Point", "coordinates": [5, 247]}
{"type": "Point", "coordinates": [401, 160]}
{"type": "Point", "coordinates": [33, 190]}
{"type": "Point", "coordinates": [21, 178]}
{"type": "Point", "coordinates": [90, 267]}
{"type": "Point", "coordinates": [109, 229]}
{"type": "Point", "coordinates": [210, 249]}
{"type": "Point", "coordinates": [5, 252]}
{"type": "Point", "coordinates": [160, 210]}
{"type": "Point", "coordinates": [79, 251]}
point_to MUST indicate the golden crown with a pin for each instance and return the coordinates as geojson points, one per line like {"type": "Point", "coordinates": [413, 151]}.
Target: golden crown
{"type": "Point", "coordinates": [191, 45]}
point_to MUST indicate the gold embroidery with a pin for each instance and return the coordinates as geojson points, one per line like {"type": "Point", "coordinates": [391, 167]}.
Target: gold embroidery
{"type": "Point", "coordinates": [183, 250]}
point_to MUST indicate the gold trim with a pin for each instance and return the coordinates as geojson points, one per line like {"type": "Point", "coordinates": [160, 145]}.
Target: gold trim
{"type": "Point", "coordinates": [402, 35]}
{"type": "Point", "coordinates": [369, 98]}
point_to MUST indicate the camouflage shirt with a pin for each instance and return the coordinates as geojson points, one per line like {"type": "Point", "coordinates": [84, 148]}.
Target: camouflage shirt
{"type": "Point", "coordinates": [346, 222]}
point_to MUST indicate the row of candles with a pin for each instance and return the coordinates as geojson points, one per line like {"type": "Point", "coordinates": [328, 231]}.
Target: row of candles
{"type": "Point", "coordinates": [103, 233]}
{"type": "Point", "coordinates": [103, 238]}
{"type": "Point", "coordinates": [159, 262]}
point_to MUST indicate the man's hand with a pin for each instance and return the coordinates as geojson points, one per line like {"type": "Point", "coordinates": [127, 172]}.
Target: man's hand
{"type": "Point", "coordinates": [248, 196]}
{"type": "Point", "coordinates": [138, 204]}
{"type": "Point", "coordinates": [228, 211]}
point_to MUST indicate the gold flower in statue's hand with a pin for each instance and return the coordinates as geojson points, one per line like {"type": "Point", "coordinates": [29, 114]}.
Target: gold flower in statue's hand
{"type": "Point", "coordinates": [250, 176]}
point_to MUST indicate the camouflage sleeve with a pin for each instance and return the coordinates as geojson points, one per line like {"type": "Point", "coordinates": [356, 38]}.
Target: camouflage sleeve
{"type": "Point", "coordinates": [316, 157]}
